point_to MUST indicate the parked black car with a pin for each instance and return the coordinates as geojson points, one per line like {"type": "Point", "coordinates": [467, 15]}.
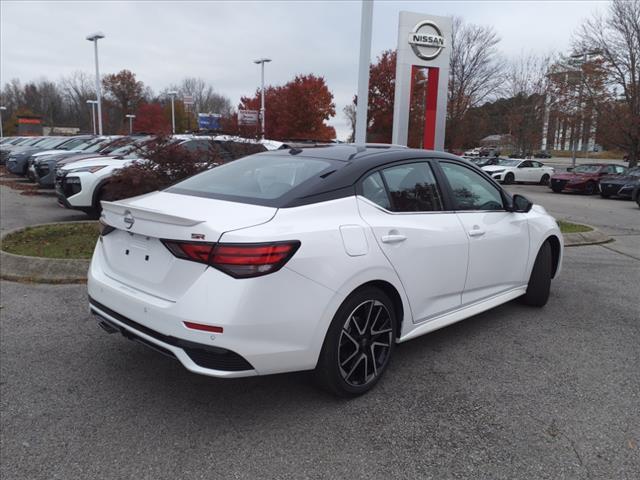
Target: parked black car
{"type": "Point", "coordinates": [542, 154]}
{"type": "Point", "coordinates": [621, 186]}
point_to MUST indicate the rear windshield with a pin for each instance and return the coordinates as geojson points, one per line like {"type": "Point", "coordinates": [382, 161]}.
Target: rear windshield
{"type": "Point", "coordinates": [254, 179]}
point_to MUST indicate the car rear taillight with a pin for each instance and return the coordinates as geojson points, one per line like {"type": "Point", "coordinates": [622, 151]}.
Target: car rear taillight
{"type": "Point", "coordinates": [240, 260]}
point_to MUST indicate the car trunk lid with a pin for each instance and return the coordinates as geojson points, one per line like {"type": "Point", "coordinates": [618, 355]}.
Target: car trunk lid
{"type": "Point", "coordinates": [135, 254]}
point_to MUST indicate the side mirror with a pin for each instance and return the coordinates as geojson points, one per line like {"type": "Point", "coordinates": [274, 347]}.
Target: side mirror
{"type": "Point", "coordinates": [570, 169]}
{"type": "Point", "coordinates": [521, 204]}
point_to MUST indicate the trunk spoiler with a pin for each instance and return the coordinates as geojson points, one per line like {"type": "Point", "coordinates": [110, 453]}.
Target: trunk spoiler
{"type": "Point", "coordinates": [140, 213]}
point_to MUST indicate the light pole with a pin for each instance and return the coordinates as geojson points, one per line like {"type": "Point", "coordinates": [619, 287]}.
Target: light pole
{"type": "Point", "coordinates": [93, 104]}
{"type": "Point", "coordinates": [2, 109]}
{"type": "Point", "coordinates": [366, 26]}
{"type": "Point", "coordinates": [130, 117]}
{"type": "Point", "coordinates": [578, 128]}
{"type": "Point", "coordinates": [261, 62]}
{"type": "Point", "coordinates": [94, 37]}
{"type": "Point", "coordinates": [173, 111]}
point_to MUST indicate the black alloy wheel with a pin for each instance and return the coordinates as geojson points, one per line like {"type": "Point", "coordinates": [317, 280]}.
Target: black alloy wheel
{"type": "Point", "coordinates": [509, 178]}
{"type": "Point", "coordinates": [590, 188]}
{"type": "Point", "coordinates": [545, 179]}
{"type": "Point", "coordinates": [365, 343]}
{"type": "Point", "coordinates": [358, 345]}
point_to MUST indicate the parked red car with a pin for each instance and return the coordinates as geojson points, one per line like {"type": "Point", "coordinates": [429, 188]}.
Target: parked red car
{"type": "Point", "coordinates": [584, 178]}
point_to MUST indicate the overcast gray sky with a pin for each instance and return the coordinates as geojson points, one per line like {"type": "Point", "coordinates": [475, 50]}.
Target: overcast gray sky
{"type": "Point", "coordinates": [162, 42]}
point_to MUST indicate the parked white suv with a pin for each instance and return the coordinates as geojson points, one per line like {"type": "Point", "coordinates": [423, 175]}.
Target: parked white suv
{"type": "Point", "coordinates": [320, 259]}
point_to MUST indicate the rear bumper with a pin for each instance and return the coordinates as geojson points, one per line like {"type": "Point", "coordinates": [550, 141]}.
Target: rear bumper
{"type": "Point", "coordinates": [196, 357]}
{"type": "Point", "coordinates": [275, 323]}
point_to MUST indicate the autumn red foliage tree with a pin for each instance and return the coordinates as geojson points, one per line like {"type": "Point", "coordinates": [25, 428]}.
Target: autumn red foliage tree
{"type": "Point", "coordinates": [151, 118]}
{"type": "Point", "coordinates": [296, 110]}
{"type": "Point", "coordinates": [382, 76]}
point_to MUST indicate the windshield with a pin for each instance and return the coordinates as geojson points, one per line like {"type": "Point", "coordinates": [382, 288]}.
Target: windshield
{"type": "Point", "coordinates": [49, 143]}
{"type": "Point", "coordinates": [31, 141]}
{"type": "Point", "coordinates": [97, 145]}
{"type": "Point", "coordinates": [634, 172]}
{"type": "Point", "coordinates": [507, 162]}
{"type": "Point", "coordinates": [131, 149]}
{"type": "Point", "coordinates": [587, 169]}
{"type": "Point", "coordinates": [73, 143]}
{"type": "Point", "coordinates": [256, 177]}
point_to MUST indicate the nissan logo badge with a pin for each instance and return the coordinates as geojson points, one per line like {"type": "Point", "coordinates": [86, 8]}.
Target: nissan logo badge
{"type": "Point", "coordinates": [128, 219]}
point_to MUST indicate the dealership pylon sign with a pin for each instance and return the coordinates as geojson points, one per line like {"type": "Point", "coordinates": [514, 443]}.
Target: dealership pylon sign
{"type": "Point", "coordinates": [424, 48]}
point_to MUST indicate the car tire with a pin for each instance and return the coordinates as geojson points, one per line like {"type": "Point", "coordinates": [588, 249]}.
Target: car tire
{"type": "Point", "coordinates": [540, 280]}
{"type": "Point", "coordinates": [509, 178]}
{"type": "Point", "coordinates": [556, 189]}
{"type": "Point", "coordinates": [363, 331]}
{"type": "Point", "coordinates": [545, 179]}
{"type": "Point", "coordinates": [590, 188]}
{"type": "Point", "coordinates": [604, 195]}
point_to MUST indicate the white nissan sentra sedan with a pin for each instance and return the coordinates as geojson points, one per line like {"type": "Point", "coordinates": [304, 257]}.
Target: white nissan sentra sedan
{"type": "Point", "coordinates": [320, 259]}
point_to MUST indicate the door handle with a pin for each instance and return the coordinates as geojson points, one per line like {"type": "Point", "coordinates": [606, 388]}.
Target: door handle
{"type": "Point", "coordinates": [476, 232]}
{"type": "Point", "coordinates": [393, 238]}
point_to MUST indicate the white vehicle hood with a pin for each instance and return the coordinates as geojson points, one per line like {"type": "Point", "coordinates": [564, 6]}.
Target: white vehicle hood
{"type": "Point", "coordinates": [53, 152]}
{"type": "Point", "coordinates": [94, 162]}
{"type": "Point", "coordinates": [495, 168]}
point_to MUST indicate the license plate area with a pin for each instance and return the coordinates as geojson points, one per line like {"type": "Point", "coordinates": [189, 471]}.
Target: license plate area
{"type": "Point", "coordinates": [137, 256]}
{"type": "Point", "coordinates": [144, 263]}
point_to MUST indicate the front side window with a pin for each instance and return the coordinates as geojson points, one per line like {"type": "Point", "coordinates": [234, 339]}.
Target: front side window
{"type": "Point", "coordinates": [412, 188]}
{"type": "Point", "coordinates": [526, 164]}
{"type": "Point", "coordinates": [470, 190]}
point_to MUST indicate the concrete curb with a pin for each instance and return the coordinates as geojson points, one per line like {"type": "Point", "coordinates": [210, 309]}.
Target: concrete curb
{"type": "Point", "coordinates": [21, 268]}
{"type": "Point", "coordinates": [594, 237]}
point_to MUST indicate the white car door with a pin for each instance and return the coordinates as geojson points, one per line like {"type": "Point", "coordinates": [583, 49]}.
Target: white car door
{"type": "Point", "coordinates": [427, 247]}
{"type": "Point", "coordinates": [498, 239]}
{"type": "Point", "coordinates": [525, 172]}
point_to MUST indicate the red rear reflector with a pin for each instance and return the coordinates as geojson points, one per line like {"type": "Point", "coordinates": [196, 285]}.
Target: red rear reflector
{"type": "Point", "coordinates": [204, 328]}
{"type": "Point", "coordinates": [240, 260]}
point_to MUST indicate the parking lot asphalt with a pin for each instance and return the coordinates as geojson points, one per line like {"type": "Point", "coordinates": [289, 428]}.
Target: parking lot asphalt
{"type": "Point", "coordinates": [514, 392]}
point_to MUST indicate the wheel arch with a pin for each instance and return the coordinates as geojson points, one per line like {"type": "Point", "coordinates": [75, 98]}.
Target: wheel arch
{"type": "Point", "coordinates": [96, 192]}
{"type": "Point", "coordinates": [556, 248]}
{"type": "Point", "coordinates": [393, 295]}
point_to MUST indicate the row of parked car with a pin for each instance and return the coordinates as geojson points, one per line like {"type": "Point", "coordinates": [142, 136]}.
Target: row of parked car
{"type": "Point", "coordinates": [80, 167]}
{"type": "Point", "coordinates": [607, 179]}
{"type": "Point", "coordinates": [493, 151]}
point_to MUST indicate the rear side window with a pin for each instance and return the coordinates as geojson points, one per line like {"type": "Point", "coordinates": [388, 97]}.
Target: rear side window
{"type": "Point", "coordinates": [409, 188]}
{"type": "Point", "coordinates": [373, 189]}
{"type": "Point", "coordinates": [470, 190]}
{"type": "Point", "coordinates": [412, 188]}
{"type": "Point", "coordinates": [256, 177]}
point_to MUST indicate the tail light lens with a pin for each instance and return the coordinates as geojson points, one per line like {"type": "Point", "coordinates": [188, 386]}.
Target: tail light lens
{"type": "Point", "coordinates": [240, 260]}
